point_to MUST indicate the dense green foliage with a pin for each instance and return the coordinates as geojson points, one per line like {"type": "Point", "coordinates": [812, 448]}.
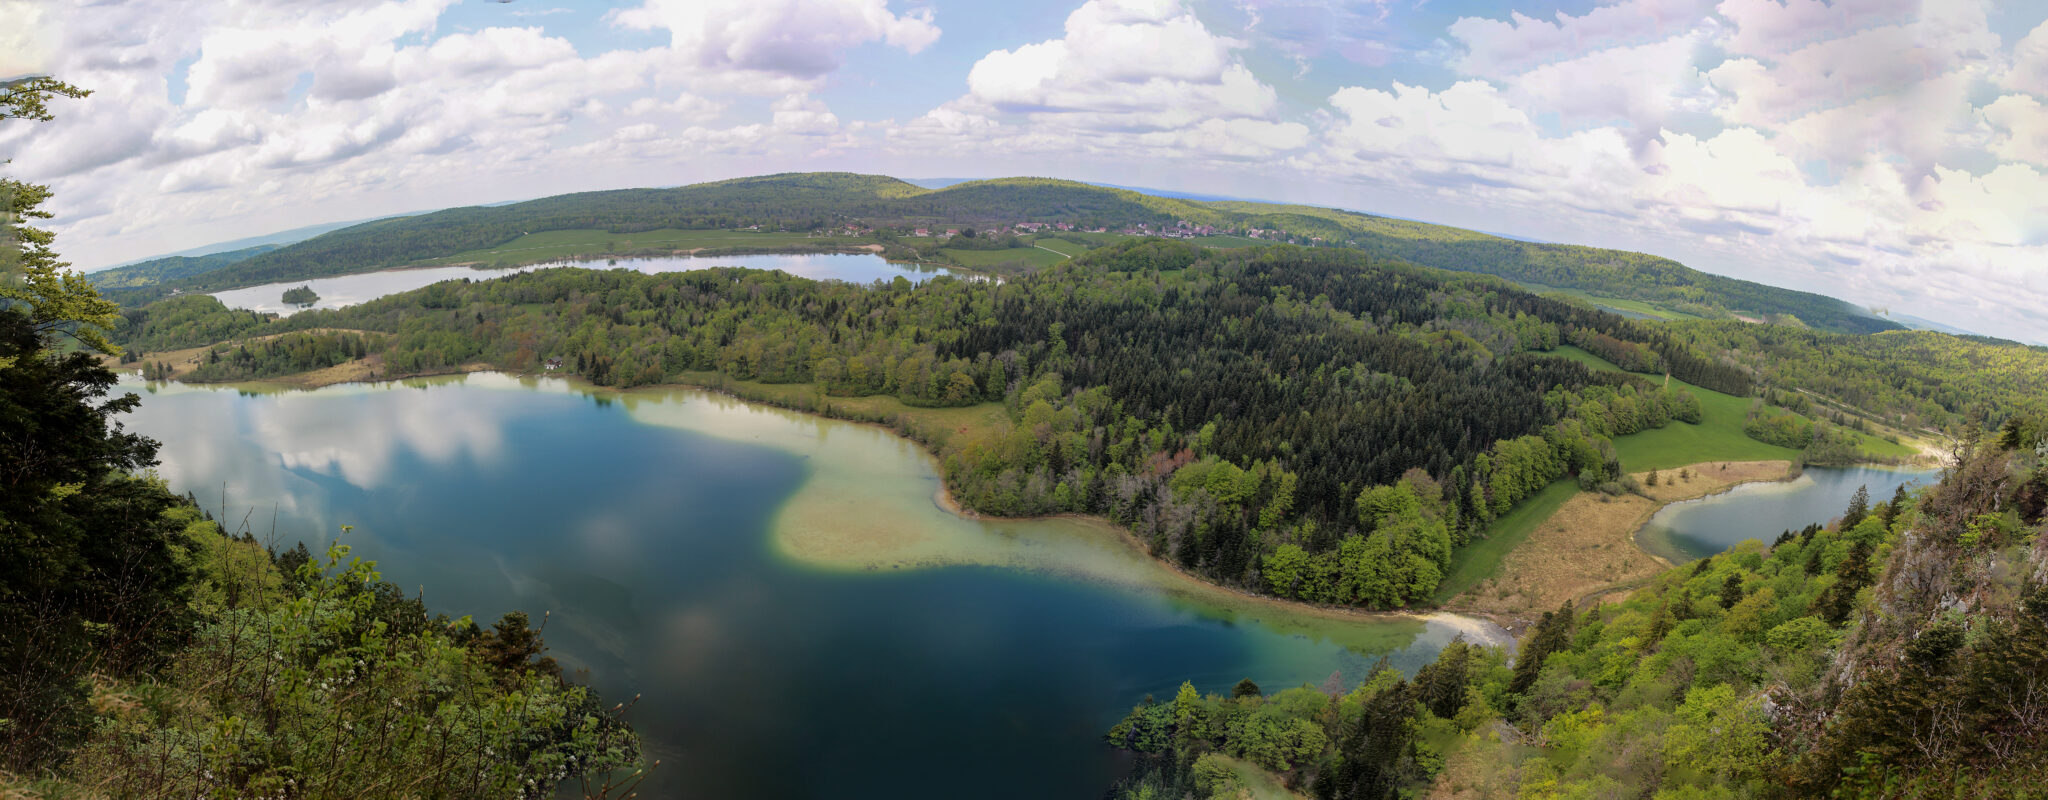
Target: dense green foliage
{"type": "Point", "coordinates": [181, 322]}
{"type": "Point", "coordinates": [289, 354]}
{"type": "Point", "coordinates": [171, 268]}
{"type": "Point", "coordinates": [136, 638]}
{"type": "Point", "coordinates": [144, 653]}
{"type": "Point", "coordinates": [90, 574]}
{"type": "Point", "coordinates": [1890, 654]}
{"type": "Point", "coordinates": [1230, 406]}
{"type": "Point", "coordinates": [1819, 442]}
{"type": "Point", "coordinates": [1942, 685]}
{"type": "Point", "coordinates": [816, 201]}
{"type": "Point", "coordinates": [1374, 741]}
{"type": "Point", "coordinates": [1909, 379]}
{"type": "Point", "coordinates": [360, 694]}
{"type": "Point", "coordinates": [301, 296]}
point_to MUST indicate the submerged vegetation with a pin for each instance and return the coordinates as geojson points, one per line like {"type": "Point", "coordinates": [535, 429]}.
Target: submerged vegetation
{"type": "Point", "coordinates": [1310, 423]}
{"type": "Point", "coordinates": [1222, 453]}
{"type": "Point", "coordinates": [1324, 424]}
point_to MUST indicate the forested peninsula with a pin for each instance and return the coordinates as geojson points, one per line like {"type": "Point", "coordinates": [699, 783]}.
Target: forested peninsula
{"type": "Point", "coordinates": [1321, 425]}
{"type": "Point", "coordinates": [1313, 423]}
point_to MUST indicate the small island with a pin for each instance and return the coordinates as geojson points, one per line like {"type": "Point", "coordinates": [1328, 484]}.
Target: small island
{"type": "Point", "coordinates": [303, 296]}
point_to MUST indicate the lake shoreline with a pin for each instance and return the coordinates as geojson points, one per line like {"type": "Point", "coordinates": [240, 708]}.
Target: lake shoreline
{"type": "Point", "coordinates": [345, 289]}
{"type": "Point", "coordinates": [1479, 628]}
{"type": "Point", "coordinates": [1669, 545]}
{"type": "Point", "coordinates": [1587, 549]}
{"type": "Point", "coordinates": [1476, 629]}
{"type": "Point", "coordinates": [1494, 623]}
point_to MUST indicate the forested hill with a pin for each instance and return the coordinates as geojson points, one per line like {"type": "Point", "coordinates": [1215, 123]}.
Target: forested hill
{"type": "Point", "coordinates": [802, 201]}
{"type": "Point", "coordinates": [818, 201]}
{"type": "Point", "coordinates": [171, 268]}
{"type": "Point", "coordinates": [1313, 423]}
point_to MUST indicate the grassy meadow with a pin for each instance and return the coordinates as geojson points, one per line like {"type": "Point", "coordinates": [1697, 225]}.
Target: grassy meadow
{"type": "Point", "coordinates": [1030, 257]}
{"type": "Point", "coordinates": [1479, 560]}
{"type": "Point", "coordinates": [1718, 437]}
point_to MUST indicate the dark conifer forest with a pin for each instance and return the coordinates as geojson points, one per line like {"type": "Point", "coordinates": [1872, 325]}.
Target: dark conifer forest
{"type": "Point", "coordinates": [1232, 407]}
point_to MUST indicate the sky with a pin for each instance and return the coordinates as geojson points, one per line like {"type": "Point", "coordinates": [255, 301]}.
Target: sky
{"type": "Point", "coordinates": [1893, 153]}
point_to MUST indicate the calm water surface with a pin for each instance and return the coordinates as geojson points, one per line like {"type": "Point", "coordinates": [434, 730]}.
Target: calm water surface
{"type": "Point", "coordinates": [348, 290]}
{"type": "Point", "coordinates": [1700, 528]}
{"type": "Point", "coordinates": [641, 523]}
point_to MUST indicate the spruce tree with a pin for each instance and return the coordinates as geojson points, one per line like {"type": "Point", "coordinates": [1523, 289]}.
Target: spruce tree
{"type": "Point", "coordinates": [1731, 590]}
{"type": "Point", "coordinates": [1859, 508]}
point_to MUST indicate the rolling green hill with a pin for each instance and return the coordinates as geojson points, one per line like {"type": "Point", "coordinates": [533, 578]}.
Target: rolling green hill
{"type": "Point", "coordinates": [1616, 274]}
{"type": "Point", "coordinates": [171, 268]}
{"type": "Point", "coordinates": [816, 201]}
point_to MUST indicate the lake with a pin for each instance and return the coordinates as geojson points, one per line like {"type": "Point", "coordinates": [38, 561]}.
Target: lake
{"type": "Point", "coordinates": [802, 620]}
{"type": "Point", "coordinates": [1699, 528]}
{"type": "Point", "coordinates": [348, 290]}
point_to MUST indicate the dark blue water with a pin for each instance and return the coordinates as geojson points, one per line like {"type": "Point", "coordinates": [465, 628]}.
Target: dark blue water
{"type": "Point", "coordinates": [1699, 528]}
{"type": "Point", "coordinates": [647, 546]}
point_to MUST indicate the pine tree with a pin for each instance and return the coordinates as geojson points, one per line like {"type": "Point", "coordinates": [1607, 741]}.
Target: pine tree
{"type": "Point", "coordinates": [1859, 508]}
{"type": "Point", "coordinates": [1553, 634]}
{"type": "Point", "coordinates": [1851, 576]}
{"type": "Point", "coordinates": [1731, 590]}
{"type": "Point", "coordinates": [1892, 509]}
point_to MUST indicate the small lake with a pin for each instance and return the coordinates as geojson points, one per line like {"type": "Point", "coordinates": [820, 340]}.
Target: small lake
{"type": "Point", "coordinates": [348, 290]}
{"type": "Point", "coordinates": [1696, 529]}
{"type": "Point", "coordinates": [685, 546]}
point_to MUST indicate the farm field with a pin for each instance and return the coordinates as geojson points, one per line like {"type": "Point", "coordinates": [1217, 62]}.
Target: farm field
{"type": "Point", "coordinates": [1030, 257]}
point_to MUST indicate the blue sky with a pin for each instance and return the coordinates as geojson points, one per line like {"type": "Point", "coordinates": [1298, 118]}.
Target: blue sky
{"type": "Point", "coordinates": [1890, 152]}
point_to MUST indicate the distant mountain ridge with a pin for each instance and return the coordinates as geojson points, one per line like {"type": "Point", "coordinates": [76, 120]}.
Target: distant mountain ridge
{"type": "Point", "coordinates": [274, 240]}
{"type": "Point", "coordinates": [166, 269]}
{"type": "Point", "coordinates": [806, 201]}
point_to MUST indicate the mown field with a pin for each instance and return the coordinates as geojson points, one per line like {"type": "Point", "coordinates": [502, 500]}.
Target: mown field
{"type": "Point", "coordinates": [1718, 437]}
{"type": "Point", "coordinates": [1030, 257]}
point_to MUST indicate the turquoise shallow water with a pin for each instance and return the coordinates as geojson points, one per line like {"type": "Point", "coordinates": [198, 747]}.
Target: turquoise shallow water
{"type": "Point", "coordinates": [648, 545]}
{"type": "Point", "coordinates": [1699, 528]}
